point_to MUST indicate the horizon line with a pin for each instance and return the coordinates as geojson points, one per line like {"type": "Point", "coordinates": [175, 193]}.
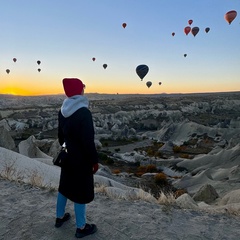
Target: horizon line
{"type": "Point", "coordinates": [56, 94]}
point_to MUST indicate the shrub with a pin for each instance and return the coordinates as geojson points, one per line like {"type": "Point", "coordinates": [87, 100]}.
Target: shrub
{"type": "Point", "coordinates": [102, 156]}
{"type": "Point", "coordinates": [176, 149]}
{"type": "Point", "coordinates": [109, 161]}
{"type": "Point", "coordinates": [139, 173]}
{"type": "Point", "coordinates": [184, 155]}
{"type": "Point", "coordinates": [160, 178]}
{"type": "Point", "coordinates": [105, 144]}
{"type": "Point", "coordinates": [150, 152]}
{"type": "Point", "coordinates": [151, 168]}
{"type": "Point", "coordinates": [158, 154]}
{"type": "Point", "coordinates": [141, 169]}
{"type": "Point", "coordinates": [146, 169]}
{"type": "Point", "coordinates": [116, 171]}
{"type": "Point", "coordinates": [179, 192]}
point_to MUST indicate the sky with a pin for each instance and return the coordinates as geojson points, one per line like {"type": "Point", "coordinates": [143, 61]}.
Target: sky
{"type": "Point", "coordinates": [66, 34]}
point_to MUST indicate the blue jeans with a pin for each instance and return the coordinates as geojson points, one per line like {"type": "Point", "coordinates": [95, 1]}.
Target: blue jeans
{"type": "Point", "coordinates": [80, 210]}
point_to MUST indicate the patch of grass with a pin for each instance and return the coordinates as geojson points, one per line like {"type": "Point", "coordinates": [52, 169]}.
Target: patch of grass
{"type": "Point", "coordinates": [9, 172]}
{"type": "Point", "coordinates": [151, 168]}
{"type": "Point", "coordinates": [34, 179]}
{"type": "Point", "coordinates": [166, 198]}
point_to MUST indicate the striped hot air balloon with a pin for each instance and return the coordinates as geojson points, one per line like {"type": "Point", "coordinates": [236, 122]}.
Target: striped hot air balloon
{"type": "Point", "coordinates": [142, 70]}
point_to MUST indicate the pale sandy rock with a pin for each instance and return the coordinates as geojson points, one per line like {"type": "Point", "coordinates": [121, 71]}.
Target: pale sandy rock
{"type": "Point", "coordinates": [28, 148]}
{"type": "Point", "coordinates": [54, 148]}
{"type": "Point", "coordinates": [224, 158]}
{"type": "Point", "coordinates": [107, 182]}
{"type": "Point", "coordinates": [115, 193]}
{"type": "Point", "coordinates": [98, 144]}
{"type": "Point", "coordinates": [181, 132]}
{"type": "Point", "coordinates": [4, 123]}
{"type": "Point", "coordinates": [104, 171]}
{"type": "Point", "coordinates": [129, 194]}
{"type": "Point", "coordinates": [17, 125]}
{"type": "Point", "coordinates": [231, 197]}
{"type": "Point", "coordinates": [206, 193]}
{"type": "Point", "coordinates": [167, 147]}
{"type": "Point", "coordinates": [28, 169]}
{"type": "Point", "coordinates": [186, 202]}
{"type": "Point", "coordinates": [235, 139]}
{"type": "Point", "coordinates": [44, 144]}
{"type": "Point", "coordinates": [203, 205]}
{"type": "Point", "coordinates": [6, 140]}
{"type": "Point", "coordinates": [193, 183]}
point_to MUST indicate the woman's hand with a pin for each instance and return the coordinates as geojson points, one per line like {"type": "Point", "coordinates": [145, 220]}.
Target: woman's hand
{"type": "Point", "coordinates": [95, 168]}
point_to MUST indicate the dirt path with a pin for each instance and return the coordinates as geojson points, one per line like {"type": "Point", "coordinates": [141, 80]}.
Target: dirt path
{"type": "Point", "coordinates": [27, 213]}
{"type": "Point", "coordinates": [129, 147]}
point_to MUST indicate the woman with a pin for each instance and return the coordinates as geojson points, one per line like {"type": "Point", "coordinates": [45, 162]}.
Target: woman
{"type": "Point", "coordinates": [76, 130]}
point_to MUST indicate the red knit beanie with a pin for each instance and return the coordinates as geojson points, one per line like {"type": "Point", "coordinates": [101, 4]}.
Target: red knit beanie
{"type": "Point", "coordinates": [72, 86]}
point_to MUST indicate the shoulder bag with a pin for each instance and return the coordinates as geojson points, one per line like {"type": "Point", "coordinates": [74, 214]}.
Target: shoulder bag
{"type": "Point", "coordinates": [61, 157]}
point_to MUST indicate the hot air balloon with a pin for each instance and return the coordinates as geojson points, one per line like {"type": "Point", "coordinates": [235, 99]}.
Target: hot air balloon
{"type": "Point", "coordinates": [173, 34]}
{"type": "Point", "coordinates": [160, 83]}
{"type": "Point", "coordinates": [149, 84]}
{"type": "Point", "coordinates": [14, 59]}
{"type": "Point", "coordinates": [207, 29]}
{"type": "Point", "coordinates": [124, 25]}
{"type": "Point", "coordinates": [142, 70]}
{"type": "Point", "coordinates": [93, 58]}
{"type": "Point", "coordinates": [195, 31]}
{"type": "Point", "coordinates": [39, 69]}
{"type": "Point", "coordinates": [38, 62]}
{"type": "Point", "coordinates": [8, 71]}
{"type": "Point", "coordinates": [185, 55]}
{"type": "Point", "coordinates": [190, 21]}
{"type": "Point", "coordinates": [230, 16]}
{"type": "Point", "coordinates": [104, 65]}
{"type": "Point", "coordinates": [187, 30]}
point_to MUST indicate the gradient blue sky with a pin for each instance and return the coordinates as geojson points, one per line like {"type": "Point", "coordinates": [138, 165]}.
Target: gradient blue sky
{"type": "Point", "coordinates": [65, 34]}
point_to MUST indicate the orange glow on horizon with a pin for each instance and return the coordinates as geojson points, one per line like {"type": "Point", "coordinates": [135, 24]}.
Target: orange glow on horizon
{"type": "Point", "coordinates": [54, 91]}
{"type": "Point", "coordinates": [50, 85]}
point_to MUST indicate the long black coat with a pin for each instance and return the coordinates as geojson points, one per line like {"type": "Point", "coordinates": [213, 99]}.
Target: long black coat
{"type": "Point", "coordinates": [76, 180]}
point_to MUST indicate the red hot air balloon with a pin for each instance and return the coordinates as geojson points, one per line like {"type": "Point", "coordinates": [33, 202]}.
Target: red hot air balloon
{"type": "Point", "coordinates": [124, 25]}
{"type": "Point", "coordinates": [187, 30]}
{"type": "Point", "coordinates": [14, 59]}
{"type": "Point", "coordinates": [173, 34]}
{"type": "Point", "coordinates": [104, 65]}
{"type": "Point", "coordinates": [190, 21]}
{"type": "Point", "coordinates": [230, 16]}
{"type": "Point", "coordinates": [195, 31]}
{"type": "Point", "coordinates": [93, 58]}
{"type": "Point", "coordinates": [207, 29]}
{"type": "Point", "coordinates": [8, 71]}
